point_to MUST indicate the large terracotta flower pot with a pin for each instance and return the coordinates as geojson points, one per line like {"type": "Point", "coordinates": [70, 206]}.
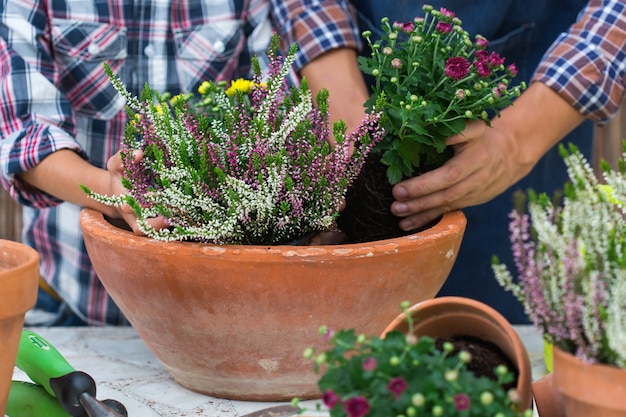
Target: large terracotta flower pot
{"type": "Point", "coordinates": [460, 316]}
{"type": "Point", "coordinates": [584, 389]}
{"type": "Point", "coordinates": [19, 276]}
{"type": "Point", "coordinates": [233, 321]}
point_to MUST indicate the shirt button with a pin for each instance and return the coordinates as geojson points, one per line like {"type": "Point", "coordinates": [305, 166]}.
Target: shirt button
{"type": "Point", "coordinates": [219, 47]}
{"type": "Point", "coordinates": [149, 50]}
{"type": "Point", "coordinates": [93, 49]}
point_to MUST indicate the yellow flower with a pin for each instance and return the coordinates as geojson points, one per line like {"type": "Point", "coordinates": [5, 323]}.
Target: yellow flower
{"type": "Point", "coordinates": [241, 85]}
{"type": "Point", "coordinates": [204, 87]}
{"type": "Point", "coordinates": [176, 99]}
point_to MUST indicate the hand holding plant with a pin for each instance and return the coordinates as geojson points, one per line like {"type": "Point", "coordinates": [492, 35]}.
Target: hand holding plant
{"type": "Point", "coordinates": [432, 78]}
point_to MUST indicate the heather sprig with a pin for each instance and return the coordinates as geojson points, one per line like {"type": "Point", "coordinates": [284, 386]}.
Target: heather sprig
{"type": "Point", "coordinates": [432, 78]}
{"type": "Point", "coordinates": [402, 375]}
{"type": "Point", "coordinates": [249, 163]}
{"type": "Point", "coordinates": [570, 256]}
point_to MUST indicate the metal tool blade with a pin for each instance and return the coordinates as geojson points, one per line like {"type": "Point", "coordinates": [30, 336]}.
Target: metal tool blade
{"type": "Point", "coordinates": [277, 411]}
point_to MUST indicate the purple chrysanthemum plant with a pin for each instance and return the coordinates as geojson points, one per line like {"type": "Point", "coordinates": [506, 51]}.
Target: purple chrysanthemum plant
{"type": "Point", "coordinates": [402, 375]}
{"type": "Point", "coordinates": [431, 79]}
{"type": "Point", "coordinates": [256, 163]}
{"type": "Point", "coordinates": [570, 256]}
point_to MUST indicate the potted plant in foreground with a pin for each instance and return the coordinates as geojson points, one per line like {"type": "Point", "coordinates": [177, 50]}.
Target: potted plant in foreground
{"type": "Point", "coordinates": [430, 78]}
{"type": "Point", "coordinates": [409, 372]}
{"type": "Point", "coordinates": [221, 297]}
{"type": "Point", "coordinates": [571, 262]}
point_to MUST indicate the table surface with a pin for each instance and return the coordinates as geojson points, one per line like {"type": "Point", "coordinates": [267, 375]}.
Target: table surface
{"type": "Point", "coordinates": [125, 369]}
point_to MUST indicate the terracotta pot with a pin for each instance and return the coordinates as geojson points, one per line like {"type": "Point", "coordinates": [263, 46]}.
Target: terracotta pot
{"type": "Point", "coordinates": [548, 401]}
{"type": "Point", "coordinates": [587, 389]}
{"type": "Point", "coordinates": [19, 278]}
{"type": "Point", "coordinates": [232, 321]}
{"type": "Point", "coordinates": [460, 316]}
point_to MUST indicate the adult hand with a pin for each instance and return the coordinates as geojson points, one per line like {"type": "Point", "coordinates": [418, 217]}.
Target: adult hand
{"type": "Point", "coordinates": [116, 170]}
{"type": "Point", "coordinates": [484, 165]}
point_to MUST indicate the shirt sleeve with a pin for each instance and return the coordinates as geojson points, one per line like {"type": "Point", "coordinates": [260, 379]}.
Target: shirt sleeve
{"type": "Point", "coordinates": [316, 26]}
{"type": "Point", "coordinates": [36, 119]}
{"type": "Point", "coordinates": [587, 65]}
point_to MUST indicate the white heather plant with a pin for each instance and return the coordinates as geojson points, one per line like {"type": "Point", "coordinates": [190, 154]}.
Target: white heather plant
{"type": "Point", "coordinates": [251, 164]}
{"type": "Point", "coordinates": [571, 263]}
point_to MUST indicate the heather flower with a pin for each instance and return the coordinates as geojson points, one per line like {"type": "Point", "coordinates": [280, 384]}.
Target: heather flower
{"type": "Point", "coordinates": [570, 259]}
{"type": "Point", "coordinates": [431, 57]}
{"type": "Point", "coordinates": [247, 163]}
{"type": "Point", "coordinates": [404, 375]}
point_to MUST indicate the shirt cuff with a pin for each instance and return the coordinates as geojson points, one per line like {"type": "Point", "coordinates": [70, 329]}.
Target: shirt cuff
{"type": "Point", "coordinates": [19, 158]}
{"type": "Point", "coordinates": [320, 28]}
{"type": "Point", "coordinates": [583, 75]}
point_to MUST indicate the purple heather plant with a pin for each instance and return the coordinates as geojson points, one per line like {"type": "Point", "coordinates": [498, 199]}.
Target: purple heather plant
{"type": "Point", "coordinates": [402, 375]}
{"type": "Point", "coordinates": [430, 79]}
{"type": "Point", "coordinates": [248, 164]}
{"type": "Point", "coordinates": [570, 257]}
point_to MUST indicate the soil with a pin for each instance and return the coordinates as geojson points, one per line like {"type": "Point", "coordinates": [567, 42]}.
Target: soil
{"type": "Point", "coordinates": [486, 356]}
{"type": "Point", "coordinates": [367, 216]}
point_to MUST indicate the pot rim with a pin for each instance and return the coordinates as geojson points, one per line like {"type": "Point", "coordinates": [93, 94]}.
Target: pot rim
{"type": "Point", "coordinates": [450, 225]}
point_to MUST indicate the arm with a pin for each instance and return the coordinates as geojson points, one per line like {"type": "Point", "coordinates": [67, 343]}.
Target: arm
{"type": "Point", "coordinates": [42, 162]}
{"type": "Point", "coordinates": [489, 160]}
{"type": "Point", "coordinates": [328, 39]}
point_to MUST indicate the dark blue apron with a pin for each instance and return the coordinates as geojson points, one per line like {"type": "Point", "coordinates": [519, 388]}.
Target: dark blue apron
{"type": "Point", "coordinates": [521, 31]}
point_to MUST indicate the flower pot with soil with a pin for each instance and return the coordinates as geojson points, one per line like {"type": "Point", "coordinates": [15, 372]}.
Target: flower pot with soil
{"type": "Point", "coordinates": [475, 327]}
{"type": "Point", "coordinates": [19, 276]}
{"type": "Point", "coordinates": [448, 356]}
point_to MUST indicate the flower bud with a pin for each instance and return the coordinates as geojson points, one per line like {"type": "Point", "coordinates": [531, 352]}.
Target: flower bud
{"type": "Point", "coordinates": [486, 397]}
{"type": "Point", "coordinates": [437, 411]}
{"type": "Point", "coordinates": [451, 375]}
{"type": "Point", "coordinates": [468, 113]}
{"type": "Point", "coordinates": [394, 361]}
{"type": "Point", "coordinates": [308, 353]}
{"type": "Point", "coordinates": [418, 399]}
{"type": "Point", "coordinates": [465, 356]}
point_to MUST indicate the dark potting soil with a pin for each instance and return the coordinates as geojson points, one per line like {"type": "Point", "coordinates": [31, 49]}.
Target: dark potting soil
{"type": "Point", "coordinates": [486, 356]}
{"type": "Point", "coordinates": [367, 216]}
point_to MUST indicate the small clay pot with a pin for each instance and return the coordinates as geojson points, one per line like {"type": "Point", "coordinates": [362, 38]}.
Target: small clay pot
{"type": "Point", "coordinates": [19, 277]}
{"type": "Point", "coordinates": [459, 316]}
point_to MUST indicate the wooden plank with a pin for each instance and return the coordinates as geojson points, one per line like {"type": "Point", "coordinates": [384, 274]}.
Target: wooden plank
{"type": "Point", "coordinates": [10, 218]}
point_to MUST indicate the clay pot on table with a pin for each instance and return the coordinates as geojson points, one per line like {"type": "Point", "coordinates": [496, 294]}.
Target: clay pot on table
{"type": "Point", "coordinates": [19, 278]}
{"type": "Point", "coordinates": [579, 389]}
{"type": "Point", "coordinates": [232, 321]}
{"type": "Point", "coordinates": [446, 317]}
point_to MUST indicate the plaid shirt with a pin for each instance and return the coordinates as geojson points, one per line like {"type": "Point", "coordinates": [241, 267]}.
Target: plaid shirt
{"type": "Point", "coordinates": [587, 65]}
{"type": "Point", "coordinates": [55, 95]}
{"type": "Point", "coordinates": [316, 26]}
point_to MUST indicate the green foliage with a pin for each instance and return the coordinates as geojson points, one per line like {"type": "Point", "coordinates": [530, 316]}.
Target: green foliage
{"type": "Point", "coordinates": [423, 96]}
{"type": "Point", "coordinates": [401, 375]}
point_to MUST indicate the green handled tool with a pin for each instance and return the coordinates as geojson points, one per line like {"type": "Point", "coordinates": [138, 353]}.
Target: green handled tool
{"type": "Point", "coordinates": [74, 390]}
{"type": "Point", "coordinates": [31, 400]}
